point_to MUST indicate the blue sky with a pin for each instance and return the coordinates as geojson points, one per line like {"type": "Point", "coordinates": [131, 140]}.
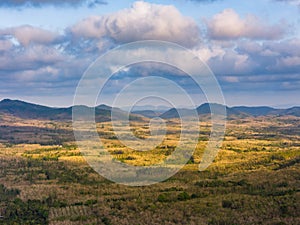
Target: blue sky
{"type": "Point", "coordinates": [253, 47]}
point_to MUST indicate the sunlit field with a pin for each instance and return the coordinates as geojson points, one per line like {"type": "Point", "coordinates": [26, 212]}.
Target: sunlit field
{"type": "Point", "coordinates": [254, 179]}
{"type": "Point", "coordinates": [147, 112]}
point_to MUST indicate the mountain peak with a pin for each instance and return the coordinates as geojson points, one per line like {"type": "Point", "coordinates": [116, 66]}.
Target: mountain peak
{"type": "Point", "coordinates": [7, 100]}
{"type": "Point", "coordinates": [103, 106]}
{"type": "Point", "coordinates": [30, 110]}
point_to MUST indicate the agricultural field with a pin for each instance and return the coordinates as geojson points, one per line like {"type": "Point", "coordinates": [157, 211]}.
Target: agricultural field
{"type": "Point", "coordinates": [255, 178]}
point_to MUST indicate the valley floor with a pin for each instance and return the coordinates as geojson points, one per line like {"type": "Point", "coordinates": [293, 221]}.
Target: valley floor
{"type": "Point", "coordinates": [255, 178]}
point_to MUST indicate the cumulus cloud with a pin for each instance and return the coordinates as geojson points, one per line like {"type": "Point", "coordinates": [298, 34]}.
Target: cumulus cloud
{"type": "Point", "coordinates": [39, 70]}
{"type": "Point", "coordinates": [229, 25]}
{"type": "Point", "coordinates": [40, 3]}
{"type": "Point", "coordinates": [34, 60]}
{"type": "Point", "coordinates": [141, 22]}
{"type": "Point", "coordinates": [274, 57]}
{"type": "Point", "coordinates": [253, 61]}
{"type": "Point", "coordinates": [290, 47]}
{"type": "Point", "coordinates": [26, 35]}
{"type": "Point", "coordinates": [30, 58]}
{"type": "Point", "coordinates": [5, 45]}
{"type": "Point", "coordinates": [232, 62]}
{"type": "Point", "coordinates": [44, 62]}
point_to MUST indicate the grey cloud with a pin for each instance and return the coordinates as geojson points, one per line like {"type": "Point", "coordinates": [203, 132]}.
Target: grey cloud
{"type": "Point", "coordinates": [34, 61]}
{"type": "Point", "coordinates": [254, 65]}
{"type": "Point", "coordinates": [5, 45]}
{"type": "Point", "coordinates": [274, 57]}
{"type": "Point", "coordinates": [39, 70]}
{"type": "Point", "coordinates": [39, 61]}
{"type": "Point", "coordinates": [289, 47]}
{"type": "Point", "coordinates": [232, 63]}
{"type": "Point", "coordinates": [26, 35]}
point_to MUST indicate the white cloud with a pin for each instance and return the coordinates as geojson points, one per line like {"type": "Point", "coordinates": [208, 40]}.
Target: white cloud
{"type": "Point", "coordinates": [141, 22]}
{"type": "Point", "coordinates": [229, 25]}
{"type": "Point", "coordinates": [26, 35]}
{"type": "Point", "coordinates": [34, 59]}
{"type": "Point", "coordinates": [205, 53]}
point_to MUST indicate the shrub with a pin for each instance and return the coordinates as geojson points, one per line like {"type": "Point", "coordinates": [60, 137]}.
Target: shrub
{"type": "Point", "coordinates": [191, 160]}
{"type": "Point", "coordinates": [80, 218]}
{"type": "Point", "coordinates": [90, 202]}
{"type": "Point", "coordinates": [277, 157]}
{"type": "Point", "coordinates": [118, 152]}
{"type": "Point", "coordinates": [106, 221]}
{"type": "Point", "coordinates": [194, 195]}
{"type": "Point", "coordinates": [183, 196]}
{"type": "Point", "coordinates": [227, 204]}
{"type": "Point", "coordinates": [129, 158]}
{"type": "Point", "coordinates": [162, 198]}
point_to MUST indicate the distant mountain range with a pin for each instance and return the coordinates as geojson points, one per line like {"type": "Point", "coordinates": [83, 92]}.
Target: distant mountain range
{"type": "Point", "coordinates": [27, 110]}
{"type": "Point", "coordinates": [156, 108]}
{"type": "Point", "coordinates": [237, 111]}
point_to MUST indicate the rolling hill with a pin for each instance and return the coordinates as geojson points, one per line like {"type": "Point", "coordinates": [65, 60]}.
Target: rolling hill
{"type": "Point", "coordinates": [27, 110]}
{"type": "Point", "coordinates": [237, 111]}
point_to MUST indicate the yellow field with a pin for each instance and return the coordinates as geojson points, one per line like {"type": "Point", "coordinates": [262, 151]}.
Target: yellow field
{"type": "Point", "coordinates": [254, 179]}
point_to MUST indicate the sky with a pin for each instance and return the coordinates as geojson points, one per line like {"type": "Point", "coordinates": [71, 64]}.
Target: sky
{"type": "Point", "coordinates": [252, 47]}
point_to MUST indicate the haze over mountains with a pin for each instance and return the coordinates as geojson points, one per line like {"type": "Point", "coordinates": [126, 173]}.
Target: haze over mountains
{"type": "Point", "coordinates": [237, 111]}
{"type": "Point", "coordinates": [27, 110]}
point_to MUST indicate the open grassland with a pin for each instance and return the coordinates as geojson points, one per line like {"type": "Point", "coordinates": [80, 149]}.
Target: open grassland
{"type": "Point", "coordinates": [255, 178]}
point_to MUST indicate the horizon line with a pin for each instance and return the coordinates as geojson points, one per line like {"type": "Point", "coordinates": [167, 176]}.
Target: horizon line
{"type": "Point", "coordinates": [126, 106]}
